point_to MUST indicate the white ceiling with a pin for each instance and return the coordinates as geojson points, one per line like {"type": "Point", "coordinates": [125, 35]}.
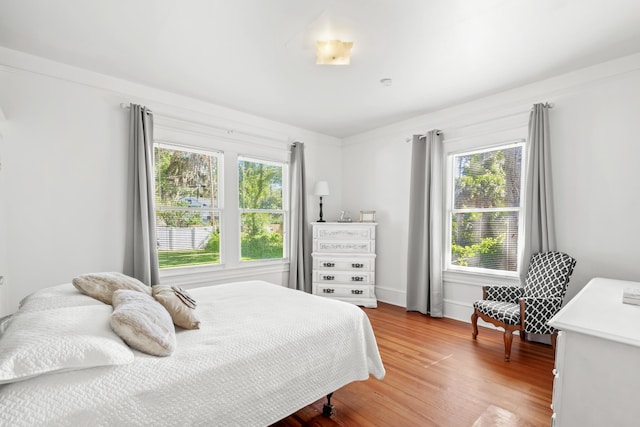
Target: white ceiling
{"type": "Point", "coordinates": [257, 56]}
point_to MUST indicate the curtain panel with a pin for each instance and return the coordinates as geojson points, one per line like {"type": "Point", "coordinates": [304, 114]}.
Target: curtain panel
{"type": "Point", "coordinates": [300, 240]}
{"type": "Point", "coordinates": [426, 202]}
{"type": "Point", "coordinates": [539, 229]}
{"type": "Point", "coordinates": [142, 251]}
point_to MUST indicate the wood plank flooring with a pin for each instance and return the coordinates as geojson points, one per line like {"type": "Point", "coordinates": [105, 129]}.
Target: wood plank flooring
{"type": "Point", "coordinates": [437, 375]}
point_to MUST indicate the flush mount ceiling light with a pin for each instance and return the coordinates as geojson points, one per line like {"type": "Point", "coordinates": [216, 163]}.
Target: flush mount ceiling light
{"type": "Point", "coordinates": [333, 52]}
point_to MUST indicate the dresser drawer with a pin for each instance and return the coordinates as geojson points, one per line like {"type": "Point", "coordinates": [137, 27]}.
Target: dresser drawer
{"type": "Point", "coordinates": [337, 290]}
{"type": "Point", "coordinates": [356, 277]}
{"type": "Point", "coordinates": [349, 232]}
{"type": "Point", "coordinates": [328, 263]}
{"type": "Point", "coordinates": [344, 246]}
{"type": "Point", "coordinates": [558, 372]}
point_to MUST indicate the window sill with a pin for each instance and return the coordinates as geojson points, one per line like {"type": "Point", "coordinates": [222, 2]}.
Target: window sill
{"type": "Point", "coordinates": [480, 279]}
{"type": "Point", "coordinates": [206, 274]}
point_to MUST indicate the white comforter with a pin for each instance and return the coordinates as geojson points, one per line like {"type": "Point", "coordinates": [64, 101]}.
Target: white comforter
{"type": "Point", "coordinates": [262, 353]}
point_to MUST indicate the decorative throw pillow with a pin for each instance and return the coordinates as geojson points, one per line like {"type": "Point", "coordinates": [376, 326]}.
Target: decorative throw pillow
{"type": "Point", "coordinates": [143, 323]}
{"type": "Point", "coordinates": [101, 286]}
{"type": "Point", "coordinates": [60, 339]}
{"type": "Point", "coordinates": [181, 314]}
{"type": "Point", "coordinates": [4, 323]}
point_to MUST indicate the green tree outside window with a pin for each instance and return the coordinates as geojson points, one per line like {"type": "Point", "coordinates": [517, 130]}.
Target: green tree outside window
{"type": "Point", "coordinates": [486, 205]}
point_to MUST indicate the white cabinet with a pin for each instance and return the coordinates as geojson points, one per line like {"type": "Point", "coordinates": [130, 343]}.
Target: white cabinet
{"type": "Point", "coordinates": [597, 374]}
{"type": "Point", "coordinates": [344, 261]}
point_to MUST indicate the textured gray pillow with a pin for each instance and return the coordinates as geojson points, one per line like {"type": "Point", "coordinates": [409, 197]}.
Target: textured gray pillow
{"type": "Point", "coordinates": [101, 286]}
{"type": "Point", "coordinates": [143, 323]}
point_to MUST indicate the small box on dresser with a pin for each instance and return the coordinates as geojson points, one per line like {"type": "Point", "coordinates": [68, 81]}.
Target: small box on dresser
{"type": "Point", "coordinates": [344, 261]}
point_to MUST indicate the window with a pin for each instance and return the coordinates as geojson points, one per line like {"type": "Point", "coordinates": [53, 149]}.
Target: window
{"type": "Point", "coordinates": [261, 203]}
{"type": "Point", "coordinates": [485, 209]}
{"type": "Point", "coordinates": [188, 207]}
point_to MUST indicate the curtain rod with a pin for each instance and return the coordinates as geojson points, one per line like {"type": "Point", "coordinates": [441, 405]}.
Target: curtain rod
{"type": "Point", "coordinates": [128, 107]}
{"type": "Point", "coordinates": [289, 142]}
{"type": "Point", "coordinates": [425, 135]}
{"type": "Point", "coordinates": [546, 104]}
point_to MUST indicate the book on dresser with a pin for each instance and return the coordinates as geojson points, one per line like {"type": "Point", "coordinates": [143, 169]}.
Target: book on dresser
{"type": "Point", "coordinates": [344, 261]}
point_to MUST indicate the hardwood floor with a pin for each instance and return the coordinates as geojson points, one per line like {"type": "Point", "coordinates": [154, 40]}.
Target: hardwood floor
{"type": "Point", "coordinates": [437, 375]}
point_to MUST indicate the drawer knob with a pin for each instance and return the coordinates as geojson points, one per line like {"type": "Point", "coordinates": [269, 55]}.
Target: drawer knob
{"type": "Point", "coordinates": [329, 277]}
{"type": "Point", "coordinates": [328, 264]}
{"type": "Point", "coordinates": [357, 265]}
{"type": "Point", "coordinates": [328, 290]}
{"type": "Point", "coordinates": [357, 291]}
{"type": "Point", "coordinates": [357, 279]}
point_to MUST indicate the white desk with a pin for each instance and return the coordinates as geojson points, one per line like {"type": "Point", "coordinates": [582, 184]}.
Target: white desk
{"type": "Point", "coordinates": [597, 373]}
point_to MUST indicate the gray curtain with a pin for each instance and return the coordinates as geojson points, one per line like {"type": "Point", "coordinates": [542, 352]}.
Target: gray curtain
{"type": "Point", "coordinates": [142, 250]}
{"type": "Point", "coordinates": [424, 266]}
{"type": "Point", "coordinates": [300, 247]}
{"type": "Point", "coordinates": [539, 227]}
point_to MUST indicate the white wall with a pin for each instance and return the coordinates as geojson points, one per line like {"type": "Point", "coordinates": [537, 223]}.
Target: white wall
{"type": "Point", "coordinates": [595, 128]}
{"type": "Point", "coordinates": [64, 167]}
{"type": "Point", "coordinates": [596, 153]}
{"type": "Point", "coordinates": [378, 175]}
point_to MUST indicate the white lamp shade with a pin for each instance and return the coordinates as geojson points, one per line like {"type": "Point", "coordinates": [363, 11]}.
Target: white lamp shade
{"type": "Point", "coordinates": [321, 188]}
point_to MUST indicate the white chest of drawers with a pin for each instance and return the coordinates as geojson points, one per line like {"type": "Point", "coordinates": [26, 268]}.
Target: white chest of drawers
{"type": "Point", "coordinates": [344, 261]}
{"type": "Point", "coordinates": [597, 379]}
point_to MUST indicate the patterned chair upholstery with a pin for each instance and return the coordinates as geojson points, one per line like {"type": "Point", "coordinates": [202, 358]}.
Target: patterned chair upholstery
{"type": "Point", "coordinates": [530, 307]}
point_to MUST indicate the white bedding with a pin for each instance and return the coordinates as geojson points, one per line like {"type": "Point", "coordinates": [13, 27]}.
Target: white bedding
{"type": "Point", "coordinates": [262, 352]}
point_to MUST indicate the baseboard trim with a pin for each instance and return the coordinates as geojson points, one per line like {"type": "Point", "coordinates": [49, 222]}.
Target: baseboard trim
{"type": "Point", "coordinates": [391, 296]}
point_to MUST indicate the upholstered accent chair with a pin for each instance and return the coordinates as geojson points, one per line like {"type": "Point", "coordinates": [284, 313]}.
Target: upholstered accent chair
{"type": "Point", "coordinates": [527, 308]}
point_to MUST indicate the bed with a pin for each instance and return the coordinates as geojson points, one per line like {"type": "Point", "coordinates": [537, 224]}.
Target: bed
{"type": "Point", "coordinates": [262, 352]}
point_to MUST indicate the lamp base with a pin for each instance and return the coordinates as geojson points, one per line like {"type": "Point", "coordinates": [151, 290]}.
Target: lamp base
{"type": "Point", "coordinates": [321, 220]}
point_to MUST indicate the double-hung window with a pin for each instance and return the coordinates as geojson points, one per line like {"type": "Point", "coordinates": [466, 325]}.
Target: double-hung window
{"type": "Point", "coordinates": [485, 214]}
{"type": "Point", "coordinates": [188, 206]}
{"type": "Point", "coordinates": [262, 209]}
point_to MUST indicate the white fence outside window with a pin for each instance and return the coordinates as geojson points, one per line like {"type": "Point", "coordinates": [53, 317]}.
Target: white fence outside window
{"type": "Point", "coordinates": [184, 238]}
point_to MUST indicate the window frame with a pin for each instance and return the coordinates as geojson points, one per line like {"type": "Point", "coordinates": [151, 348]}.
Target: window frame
{"type": "Point", "coordinates": [449, 208]}
{"type": "Point", "coordinates": [284, 211]}
{"type": "Point", "coordinates": [219, 209]}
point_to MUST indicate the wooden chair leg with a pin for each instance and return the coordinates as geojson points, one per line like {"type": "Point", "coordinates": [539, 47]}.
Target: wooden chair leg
{"type": "Point", "coordinates": [508, 339]}
{"type": "Point", "coordinates": [554, 338]}
{"type": "Point", "coordinates": [474, 324]}
{"type": "Point", "coordinates": [523, 312]}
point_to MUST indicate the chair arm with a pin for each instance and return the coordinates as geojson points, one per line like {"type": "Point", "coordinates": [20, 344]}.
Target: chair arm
{"type": "Point", "coordinates": [502, 293]}
{"type": "Point", "coordinates": [536, 312]}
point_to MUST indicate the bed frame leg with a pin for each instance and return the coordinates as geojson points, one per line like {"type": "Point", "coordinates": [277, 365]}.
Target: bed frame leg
{"type": "Point", "coordinates": [327, 409]}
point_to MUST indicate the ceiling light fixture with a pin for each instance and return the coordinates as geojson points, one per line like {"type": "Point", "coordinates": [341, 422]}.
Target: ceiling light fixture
{"type": "Point", "coordinates": [333, 52]}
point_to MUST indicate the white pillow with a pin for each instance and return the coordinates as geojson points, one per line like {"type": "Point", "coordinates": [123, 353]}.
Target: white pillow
{"type": "Point", "coordinates": [143, 323]}
{"type": "Point", "coordinates": [60, 339]}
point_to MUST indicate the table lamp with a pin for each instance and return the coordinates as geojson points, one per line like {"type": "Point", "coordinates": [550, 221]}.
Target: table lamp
{"type": "Point", "coordinates": [321, 189]}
